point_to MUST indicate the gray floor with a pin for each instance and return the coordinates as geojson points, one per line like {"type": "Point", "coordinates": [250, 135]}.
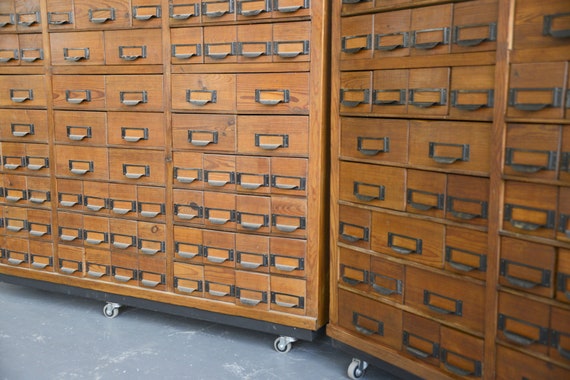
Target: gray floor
{"type": "Point", "coordinates": [46, 335]}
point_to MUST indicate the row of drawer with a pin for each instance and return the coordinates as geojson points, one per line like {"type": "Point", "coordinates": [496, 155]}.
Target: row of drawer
{"type": "Point", "coordinates": [440, 29]}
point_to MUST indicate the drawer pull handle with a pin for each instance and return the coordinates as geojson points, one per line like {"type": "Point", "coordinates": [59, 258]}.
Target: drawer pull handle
{"type": "Point", "coordinates": [447, 160]}
{"type": "Point", "coordinates": [67, 270]}
{"type": "Point", "coordinates": [94, 241]}
{"type": "Point", "coordinates": [365, 235]}
{"type": "Point", "coordinates": [185, 51]}
{"type": "Point", "coordinates": [15, 228]}
{"type": "Point", "coordinates": [461, 267]}
{"type": "Point", "coordinates": [67, 203]}
{"type": "Point", "coordinates": [354, 103]}
{"type": "Point", "coordinates": [286, 268]}
{"type": "Point", "coordinates": [121, 211]}
{"type": "Point", "coordinates": [288, 305]}
{"type": "Point", "coordinates": [216, 260]}
{"type": "Point", "coordinates": [521, 282]}
{"type": "Point", "coordinates": [149, 214]}
{"type": "Point", "coordinates": [550, 158]}
{"type": "Point", "coordinates": [275, 97]}
{"type": "Point", "coordinates": [185, 216]}
{"type": "Point", "coordinates": [379, 191]}
{"type": "Point", "coordinates": [38, 56]}
{"type": "Point", "coordinates": [187, 255]}
{"type": "Point", "coordinates": [217, 293]}
{"type": "Point", "coordinates": [28, 95]}
{"type": "Point", "coordinates": [11, 166]}
{"type": "Point", "coordinates": [11, 198]}
{"type": "Point", "coordinates": [534, 107]}
{"type": "Point", "coordinates": [522, 340]}
{"type": "Point", "coordinates": [139, 171]}
{"type": "Point", "coordinates": [121, 278]}
{"type": "Point", "coordinates": [291, 8]}
{"type": "Point", "coordinates": [417, 352]}
{"type": "Point", "coordinates": [53, 18]}
{"type": "Point", "coordinates": [382, 290]}
{"type": "Point", "coordinates": [400, 96]}
{"type": "Point", "coordinates": [251, 226]}
{"type": "Point", "coordinates": [201, 101]}
{"type": "Point", "coordinates": [547, 29]}
{"type": "Point", "coordinates": [10, 21]}
{"type": "Point", "coordinates": [287, 53]}
{"type": "Point", "coordinates": [22, 130]}
{"type": "Point", "coordinates": [134, 134]}
{"type": "Point", "coordinates": [120, 245]}
{"type": "Point", "coordinates": [215, 183]}
{"type": "Point", "coordinates": [218, 221]}
{"type": "Point", "coordinates": [427, 104]}
{"type": "Point", "coordinates": [545, 275]}
{"type": "Point", "coordinates": [269, 138]}
{"type": "Point", "coordinates": [250, 265]}
{"type": "Point", "coordinates": [184, 16]}
{"type": "Point", "coordinates": [80, 167]}
{"type": "Point", "coordinates": [149, 251]}
{"type": "Point", "coordinates": [73, 100]}
{"type": "Point", "coordinates": [437, 203]}
{"type": "Point", "coordinates": [286, 227]}
{"type": "Point", "coordinates": [355, 44]}
{"type": "Point", "coordinates": [123, 96]}
{"type": "Point", "coordinates": [26, 22]}
{"type": "Point", "coordinates": [458, 311]}
{"type": "Point", "coordinates": [39, 265]}
{"type": "Point", "coordinates": [404, 44]}
{"type": "Point", "coordinates": [404, 250]}
{"type": "Point", "coordinates": [76, 58]}
{"type": "Point", "coordinates": [196, 142]}
{"type": "Point", "coordinates": [452, 202]}
{"type": "Point", "coordinates": [95, 274]}
{"type": "Point", "coordinates": [549, 216]}
{"type": "Point", "coordinates": [13, 56]}
{"type": "Point", "coordinates": [456, 94]}
{"type": "Point", "coordinates": [132, 57]}
{"type": "Point", "coordinates": [491, 36]}
{"type": "Point", "coordinates": [250, 186]}
{"type": "Point", "coordinates": [145, 17]}
{"type": "Point", "coordinates": [430, 45]}
{"type": "Point", "coordinates": [456, 370]}
{"type": "Point", "coordinates": [67, 237]}
{"type": "Point", "coordinates": [101, 20]}
{"type": "Point", "coordinates": [78, 137]}
{"type": "Point", "coordinates": [186, 289]}
{"type": "Point", "coordinates": [249, 301]}
{"type": "Point", "coordinates": [254, 12]}
{"type": "Point", "coordinates": [186, 179]}
{"type": "Point", "coordinates": [360, 141]}
{"type": "Point", "coordinates": [15, 261]}
{"type": "Point", "coordinates": [38, 233]}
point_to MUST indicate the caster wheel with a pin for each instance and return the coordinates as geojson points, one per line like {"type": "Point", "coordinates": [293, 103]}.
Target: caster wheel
{"type": "Point", "coordinates": [110, 310]}
{"type": "Point", "coordinates": [283, 344]}
{"type": "Point", "coordinates": [356, 369]}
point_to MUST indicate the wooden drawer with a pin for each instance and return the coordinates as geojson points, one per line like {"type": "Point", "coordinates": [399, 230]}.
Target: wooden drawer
{"type": "Point", "coordinates": [39, 193]}
{"type": "Point", "coordinates": [467, 199]}
{"type": "Point", "coordinates": [80, 48]}
{"type": "Point", "coordinates": [291, 41]}
{"type": "Point", "coordinates": [78, 127]}
{"type": "Point", "coordinates": [563, 275]}
{"type": "Point", "coordinates": [389, 90]}
{"type": "Point", "coordinates": [151, 239]}
{"type": "Point", "coordinates": [15, 189]}
{"type": "Point", "coordinates": [273, 135]}
{"type": "Point", "coordinates": [381, 140]}
{"type": "Point", "coordinates": [289, 176]}
{"type": "Point", "coordinates": [220, 44]}
{"type": "Point", "coordinates": [286, 93]}
{"type": "Point", "coordinates": [374, 185]}
{"type": "Point", "coordinates": [31, 50]}
{"type": "Point", "coordinates": [354, 269]}
{"type": "Point", "coordinates": [82, 162]}
{"type": "Point", "coordinates": [188, 206]}
{"type": "Point", "coordinates": [253, 41]}
{"type": "Point", "coordinates": [391, 34]}
{"type": "Point", "coordinates": [528, 367]}
{"type": "Point", "coordinates": [288, 295]}
{"type": "Point", "coordinates": [528, 214]}
{"type": "Point", "coordinates": [523, 322]}
{"type": "Point", "coordinates": [252, 174]}
{"type": "Point", "coordinates": [28, 16]}
{"type": "Point", "coordinates": [252, 252]}
{"type": "Point", "coordinates": [124, 268]}
{"type": "Point", "coordinates": [69, 194]}
{"type": "Point", "coordinates": [186, 43]}
{"type": "Point", "coordinates": [152, 272]}
{"type": "Point", "coordinates": [448, 298]}
{"type": "Point", "coordinates": [37, 159]}
{"type": "Point", "coordinates": [70, 228]}
{"type": "Point", "coordinates": [357, 37]}
{"type": "Point", "coordinates": [8, 17]}
{"type": "Point", "coordinates": [23, 91]}
{"type": "Point", "coordinates": [536, 96]}
{"type": "Point", "coordinates": [370, 320]}
{"type": "Point", "coordinates": [215, 133]}
{"type": "Point", "coordinates": [79, 92]}
{"type": "Point", "coordinates": [23, 125]}
{"type": "Point", "coordinates": [472, 92]}
{"type": "Point", "coordinates": [123, 236]}
{"type": "Point", "coordinates": [60, 15]}
{"type": "Point", "coordinates": [539, 26]}
{"type": "Point", "coordinates": [16, 252]}
{"type": "Point", "coordinates": [219, 172]}
{"type": "Point", "coordinates": [452, 146]}
{"type": "Point", "coordinates": [41, 255]}
{"type": "Point", "coordinates": [219, 248]}
{"type": "Point", "coordinates": [132, 129]}
{"type": "Point", "coordinates": [461, 354]}
{"type": "Point", "coordinates": [204, 92]}
{"type": "Point", "coordinates": [188, 170]}
{"type": "Point", "coordinates": [13, 157]}
{"type": "Point", "coordinates": [564, 174]}
{"type": "Point", "coordinates": [531, 150]}
{"type": "Point", "coordinates": [563, 230]}
{"type": "Point", "coordinates": [421, 338]}
{"type": "Point", "coordinates": [419, 241]}
{"type": "Point", "coordinates": [466, 252]}
{"type": "Point", "coordinates": [122, 199]}
{"type": "Point", "coordinates": [133, 47]}
{"type": "Point", "coordinates": [219, 283]}
{"type": "Point", "coordinates": [40, 224]}
{"type": "Point", "coordinates": [354, 226]}
{"type": "Point", "coordinates": [218, 10]}
{"type": "Point", "coordinates": [252, 213]}
{"type": "Point", "coordinates": [189, 279]}
{"type": "Point", "coordinates": [220, 210]}
{"type": "Point", "coordinates": [289, 216]}
{"type": "Point", "coordinates": [146, 13]}
{"type": "Point", "coordinates": [428, 91]}
{"type": "Point", "coordinates": [355, 97]}
{"type": "Point", "coordinates": [96, 197]}
{"type": "Point", "coordinates": [185, 12]}
{"type": "Point", "coordinates": [425, 193]}
{"type": "Point", "coordinates": [475, 26]}
{"type": "Point", "coordinates": [98, 264]}
{"type": "Point", "coordinates": [188, 244]}
{"type": "Point", "coordinates": [145, 167]}
{"type": "Point", "coordinates": [387, 279]}
{"type": "Point", "coordinates": [287, 256]}
{"type": "Point", "coordinates": [252, 290]}
{"type": "Point", "coordinates": [9, 48]}
{"type": "Point", "coordinates": [431, 30]}
{"type": "Point", "coordinates": [71, 260]}
{"type": "Point", "coordinates": [527, 266]}
{"type": "Point", "coordinates": [134, 92]}
{"type": "Point", "coordinates": [112, 14]}
{"type": "Point", "coordinates": [16, 221]}
{"type": "Point", "coordinates": [560, 334]}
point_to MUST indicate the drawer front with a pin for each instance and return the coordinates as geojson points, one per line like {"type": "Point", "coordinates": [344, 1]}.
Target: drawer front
{"type": "Point", "coordinates": [188, 170]}
{"type": "Point", "coordinates": [354, 269]}
{"type": "Point", "coordinates": [15, 189]}
{"type": "Point", "coordinates": [528, 367]}
{"type": "Point", "coordinates": [96, 232]}
{"type": "Point", "coordinates": [151, 239]}
{"type": "Point", "coordinates": [288, 295]}
{"type": "Point", "coordinates": [431, 30]}
{"type": "Point", "coordinates": [356, 37]}
{"type": "Point", "coordinates": [40, 224]}
{"type": "Point", "coordinates": [563, 276]}
{"type": "Point", "coordinates": [31, 50]}
{"type": "Point", "coordinates": [124, 268]}
{"type": "Point", "coordinates": [253, 174]}
{"type": "Point", "coordinates": [133, 47]}
{"type": "Point", "coordinates": [16, 221]}
{"type": "Point", "coordinates": [41, 255]}
{"type": "Point", "coordinates": [23, 91]}
{"type": "Point", "coordinates": [123, 236]}
{"type": "Point", "coordinates": [380, 140]}
{"type": "Point", "coordinates": [461, 353]}
{"type": "Point", "coordinates": [219, 248]}
{"type": "Point", "coordinates": [96, 197]}
{"type": "Point", "coordinates": [219, 283]}
{"type": "Point", "coordinates": [204, 92]}
{"type": "Point", "coordinates": [152, 273]}
{"type": "Point", "coordinates": [355, 96]}
{"type": "Point", "coordinates": [189, 279]}
{"type": "Point", "coordinates": [122, 200]}
{"type": "Point", "coordinates": [23, 125]}
{"type": "Point", "coordinates": [134, 92]}
{"type": "Point", "coordinates": [421, 338]}
{"type": "Point", "coordinates": [452, 146]}
{"type": "Point", "coordinates": [380, 186]}
{"type": "Point", "coordinates": [291, 42]}
{"type": "Point", "coordinates": [146, 13]}
{"type": "Point", "coordinates": [82, 162]}
{"type": "Point", "coordinates": [450, 299]}
{"type": "Point", "coordinates": [467, 199]}
{"type": "Point", "coordinates": [188, 206]}
{"type": "Point", "coordinates": [219, 172]}
{"type": "Point", "coordinates": [425, 193]}
{"type": "Point", "coordinates": [112, 14]}
{"type": "Point", "coordinates": [79, 92]}
{"type": "Point", "coordinates": [472, 94]}
{"type": "Point", "coordinates": [28, 16]}
{"type": "Point", "coordinates": [204, 132]}
{"type": "Point", "coordinates": [69, 194]}
{"type": "Point", "coordinates": [8, 17]}
{"type": "Point", "coordinates": [252, 252]}
{"type": "Point", "coordinates": [560, 334]}
{"type": "Point", "coordinates": [185, 12]}
{"type": "Point", "coordinates": [390, 92]}
{"type": "Point", "coordinates": [9, 49]}
{"type": "Point", "coordinates": [289, 216]}
{"type": "Point", "coordinates": [371, 320]}
{"type": "Point", "coordinates": [79, 49]}
{"type": "Point", "coordinates": [527, 266]}
{"type": "Point", "coordinates": [387, 279]}
{"type": "Point", "coordinates": [289, 176]}
{"type": "Point", "coordinates": [253, 42]}
{"type": "Point", "coordinates": [428, 91]}
{"type": "Point", "coordinates": [71, 260]}
{"type": "Point", "coordinates": [528, 214]}
{"type": "Point", "coordinates": [275, 135]}
{"type": "Point", "coordinates": [474, 26]}
{"type": "Point", "coordinates": [70, 228]}
{"type": "Point", "coordinates": [145, 167]}
{"type": "Point", "coordinates": [220, 210]}
{"type": "Point", "coordinates": [421, 241]}
{"type": "Point", "coordinates": [392, 34]}
{"type": "Point", "coordinates": [287, 256]}
{"type": "Point", "coordinates": [98, 264]}
{"type": "Point", "coordinates": [220, 44]}
{"type": "Point", "coordinates": [37, 159]}
{"type": "Point", "coordinates": [38, 192]}
{"type": "Point", "coordinates": [354, 226]}
{"type": "Point", "coordinates": [541, 25]}
{"type": "Point", "coordinates": [273, 93]}
{"type": "Point", "coordinates": [131, 129]}
{"type": "Point", "coordinates": [252, 290]}
{"type": "Point", "coordinates": [60, 15]}
{"type": "Point", "coordinates": [466, 252]}
{"type": "Point", "coordinates": [252, 213]}
{"type": "Point", "coordinates": [188, 245]}
{"type": "Point", "coordinates": [16, 252]}
{"type": "Point", "coordinates": [13, 157]}
{"type": "Point", "coordinates": [186, 43]}
{"type": "Point", "coordinates": [81, 128]}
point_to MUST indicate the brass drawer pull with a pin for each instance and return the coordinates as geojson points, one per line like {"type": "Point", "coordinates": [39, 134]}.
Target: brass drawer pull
{"type": "Point", "coordinates": [414, 92]}
{"type": "Point", "coordinates": [268, 141]}
{"type": "Point", "coordinates": [358, 317]}
{"type": "Point", "coordinates": [556, 96]}
{"type": "Point", "coordinates": [549, 160]}
{"type": "Point", "coordinates": [491, 34]}
{"type": "Point", "coordinates": [437, 203]}
{"type": "Point", "coordinates": [544, 274]}
{"type": "Point", "coordinates": [445, 34]}
{"type": "Point", "coordinates": [22, 130]}
{"type": "Point", "coordinates": [454, 263]}
{"type": "Point", "coordinates": [84, 54]}
{"type": "Point", "coordinates": [28, 19]}
{"type": "Point", "coordinates": [547, 29]}
{"type": "Point", "coordinates": [201, 142]}
{"type": "Point", "coordinates": [216, 4]}
{"type": "Point", "coordinates": [108, 14]}
{"type": "Point", "coordinates": [273, 98]}
{"type": "Point", "coordinates": [141, 97]}
{"type": "Point", "coordinates": [350, 237]}
{"type": "Point", "coordinates": [25, 54]}
{"type": "Point", "coordinates": [184, 16]}
{"type": "Point", "coordinates": [280, 48]}
{"type": "Point", "coordinates": [477, 366]}
{"type": "Point", "coordinates": [80, 167]}
{"type": "Point", "coordinates": [71, 99]}
{"type": "Point", "coordinates": [521, 339]}
{"type": "Point", "coordinates": [73, 135]}
{"type": "Point", "coordinates": [453, 202]}
{"type": "Point", "coordinates": [265, 49]}
{"type": "Point", "coordinates": [134, 134]}
{"type": "Point", "coordinates": [456, 94]}
{"type": "Point", "coordinates": [201, 97]}
{"type": "Point", "coordinates": [355, 44]}
{"type": "Point", "coordinates": [7, 19]}
{"type": "Point", "coordinates": [60, 18]}
{"type": "Point", "coordinates": [361, 145]}
{"type": "Point", "coordinates": [547, 217]}
{"type": "Point", "coordinates": [463, 152]}
{"type": "Point", "coordinates": [430, 296]}
{"type": "Point", "coordinates": [378, 39]}
{"type": "Point", "coordinates": [378, 191]}
{"type": "Point", "coordinates": [398, 100]}
{"type": "Point", "coordinates": [406, 335]}
{"type": "Point", "coordinates": [185, 179]}
{"type": "Point", "coordinates": [290, 9]}
{"type": "Point", "coordinates": [397, 289]}
{"type": "Point", "coordinates": [143, 16]}
{"type": "Point", "coordinates": [127, 53]}
{"type": "Point", "coordinates": [21, 95]}
{"type": "Point", "coordinates": [348, 97]}
{"type": "Point", "coordinates": [417, 242]}
{"type": "Point", "coordinates": [353, 275]}
{"type": "Point", "coordinates": [4, 58]}
{"type": "Point", "coordinates": [185, 51]}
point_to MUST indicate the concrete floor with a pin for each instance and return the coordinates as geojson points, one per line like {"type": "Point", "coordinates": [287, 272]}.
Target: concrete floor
{"type": "Point", "coordinates": [47, 336]}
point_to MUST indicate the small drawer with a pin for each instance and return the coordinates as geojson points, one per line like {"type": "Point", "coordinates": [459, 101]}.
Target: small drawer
{"type": "Point", "coordinates": [425, 193]}
{"type": "Point", "coordinates": [116, 15]}
{"type": "Point", "coordinates": [528, 214]}
{"type": "Point", "coordinates": [188, 206]}
{"type": "Point", "coordinates": [28, 16]}
{"type": "Point", "coordinates": [85, 92]}
{"type": "Point", "coordinates": [563, 275]}
{"type": "Point", "coordinates": [186, 43]}
{"type": "Point", "coordinates": [23, 91]}
{"type": "Point", "coordinates": [145, 167]}
{"type": "Point", "coordinates": [37, 159]}
{"type": "Point", "coordinates": [218, 10]}
{"type": "Point", "coordinates": [540, 26]}
{"type": "Point", "coordinates": [287, 256]}
{"type": "Point", "coordinates": [528, 367]}
{"type": "Point", "coordinates": [205, 133]}
{"type": "Point", "coordinates": [252, 290]}
{"type": "Point", "coordinates": [13, 157]}
{"type": "Point", "coordinates": [152, 272]}
{"type": "Point", "coordinates": [560, 334]}
{"type": "Point", "coordinates": [16, 221]}
{"type": "Point", "coordinates": [125, 268]}
{"type": "Point", "coordinates": [431, 30]}
{"type": "Point", "coordinates": [133, 47]}
{"type": "Point", "coordinates": [151, 203]}
{"type": "Point", "coordinates": [289, 176]}
{"type": "Point", "coordinates": [219, 248]}
{"type": "Point", "coordinates": [354, 269]}
{"type": "Point", "coordinates": [291, 42]}
{"type": "Point", "coordinates": [523, 322]}
{"type": "Point", "coordinates": [461, 354]}
{"type": "Point", "coordinates": [254, 42]}
{"type": "Point", "coordinates": [40, 224]}
{"type": "Point", "coordinates": [71, 260]}
{"type": "Point", "coordinates": [447, 298]}
{"type": "Point", "coordinates": [189, 279]}
{"type": "Point", "coordinates": [370, 320]}
{"type": "Point", "coordinates": [475, 26]}
{"type": "Point", "coordinates": [16, 252]}
{"type": "Point", "coordinates": [134, 92]}
{"type": "Point", "coordinates": [354, 226]}
{"type": "Point", "coordinates": [204, 92]}
{"type": "Point", "coordinates": [41, 255]}
{"type": "Point", "coordinates": [563, 227]}
{"type": "Point", "coordinates": [472, 92]}
{"type": "Point", "coordinates": [356, 41]}
{"type": "Point", "coordinates": [466, 252]}
{"type": "Point", "coordinates": [70, 228]}
{"type": "Point", "coordinates": [123, 236]}
{"type": "Point", "coordinates": [387, 279]}
{"type": "Point", "coordinates": [219, 283]}
{"type": "Point", "coordinates": [531, 150]}
{"type": "Point", "coordinates": [252, 252]}
{"type": "Point", "coordinates": [220, 44]}
{"type": "Point", "coordinates": [188, 170]}
{"type": "Point", "coordinates": [82, 162]}
{"type": "Point", "coordinates": [39, 193]}
{"type": "Point", "coordinates": [79, 127]}
{"type": "Point", "coordinates": [79, 48]}
{"type": "Point", "coordinates": [98, 264]}
{"type": "Point", "coordinates": [8, 17]}
{"type": "Point", "coordinates": [381, 140]}
{"type": "Point", "coordinates": [185, 13]}
{"type": "Point", "coordinates": [536, 96]}
{"type": "Point", "coordinates": [253, 9]}
{"type": "Point", "coordinates": [421, 338]}
{"type": "Point", "coordinates": [219, 172]}
{"type": "Point", "coordinates": [253, 174]}
{"type": "Point", "coordinates": [390, 92]}
{"type": "Point", "coordinates": [428, 91]}
{"type": "Point", "coordinates": [286, 93]}
{"type": "Point", "coordinates": [60, 15]}
{"type": "Point", "coordinates": [467, 199]}
{"type": "Point", "coordinates": [15, 189]}
{"type": "Point", "coordinates": [355, 96]}
{"type": "Point", "coordinates": [289, 216]}
{"type": "Point", "coordinates": [146, 13]}
{"type": "Point", "coordinates": [452, 146]}
{"type": "Point", "coordinates": [23, 125]}
{"type": "Point", "coordinates": [420, 241]}
{"type": "Point", "coordinates": [252, 213]}
{"type": "Point", "coordinates": [188, 244]}
{"type": "Point", "coordinates": [527, 266]}
{"type": "Point", "coordinates": [273, 135]}
{"type": "Point", "coordinates": [132, 129]}
{"type": "Point", "coordinates": [69, 194]}
{"type": "Point", "coordinates": [374, 185]}
{"type": "Point", "coordinates": [151, 239]}
{"type": "Point", "coordinates": [96, 197]}
{"type": "Point", "coordinates": [220, 210]}
{"type": "Point", "coordinates": [288, 295]}
{"type": "Point", "coordinates": [122, 200]}
{"type": "Point", "coordinates": [31, 49]}
{"type": "Point", "coordinates": [9, 48]}
{"type": "Point", "coordinates": [392, 34]}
